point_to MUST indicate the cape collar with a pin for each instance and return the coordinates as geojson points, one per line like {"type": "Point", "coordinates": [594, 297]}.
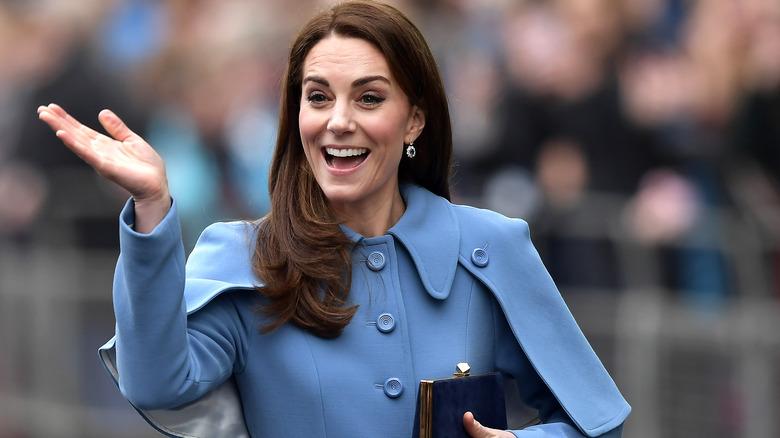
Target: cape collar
{"type": "Point", "coordinates": [430, 233]}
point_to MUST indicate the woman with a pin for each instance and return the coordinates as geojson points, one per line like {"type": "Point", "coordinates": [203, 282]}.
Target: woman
{"type": "Point", "coordinates": [321, 318]}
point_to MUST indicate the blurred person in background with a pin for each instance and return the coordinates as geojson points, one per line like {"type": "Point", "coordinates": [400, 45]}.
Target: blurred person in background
{"type": "Point", "coordinates": [208, 113]}
{"type": "Point", "coordinates": [755, 181]}
{"type": "Point", "coordinates": [22, 189]}
{"type": "Point", "coordinates": [564, 149]}
{"type": "Point", "coordinates": [698, 94]}
{"type": "Point", "coordinates": [619, 120]}
{"type": "Point", "coordinates": [360, 224]}
{"type": "Point", "coordinates": [48, 58]}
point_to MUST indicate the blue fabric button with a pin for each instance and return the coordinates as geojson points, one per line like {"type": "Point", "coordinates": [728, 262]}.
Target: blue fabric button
{"type": "Point", "coordinates": [479, 257]}
{"type": "Point", "coordinates": [393, 387]}
{"type": "Point", "coordinates": [385, 323]}
{"type": "Point", "coordinates": [376, 261]}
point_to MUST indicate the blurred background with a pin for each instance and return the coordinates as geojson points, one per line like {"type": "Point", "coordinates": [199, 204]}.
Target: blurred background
{"type": "Point", "coordinates": [639, 138]}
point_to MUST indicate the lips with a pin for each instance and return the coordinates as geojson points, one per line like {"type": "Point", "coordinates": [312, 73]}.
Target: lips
{"type": "Point", "coordinates": [344, 158]}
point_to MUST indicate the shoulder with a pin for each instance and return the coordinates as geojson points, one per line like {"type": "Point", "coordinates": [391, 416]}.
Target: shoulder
{"type": "Point", "coordinates": [221, 245]}
{"type": "Point", "coordinates": [488, 223]}
{"type": "Point", "coordinates": [228, 233]}
{"type": "Point", "coordinates": [427, 209]}
{"type": "Point", "coordinates": [495, 248]}
{"type": "Point", "coordinates": [220, 261]}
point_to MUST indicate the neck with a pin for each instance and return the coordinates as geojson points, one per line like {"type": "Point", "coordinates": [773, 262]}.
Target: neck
{"type": "Point", "coordinates": [371, 219]}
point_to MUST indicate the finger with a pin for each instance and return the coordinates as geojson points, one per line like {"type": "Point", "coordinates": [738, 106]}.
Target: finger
{"type": "Point", "coordinates": [58, 119]}
{"type": "Point", "coordinates": [476, 430]}
{"type": "Point", "coordinates": [59, 127]}
{"type": "Point", "coordinates": [114, 125]}
{"type": "Point", "coordinates": [473, 427]}
{"type": "Point", "coordinates": [82, 150]}
{"type": "Point", "coordinates": [48, 117]}
{"type": "Point", "coordinates": [66, 119]}
{"type": "Point", "coordinates": [74, 139]}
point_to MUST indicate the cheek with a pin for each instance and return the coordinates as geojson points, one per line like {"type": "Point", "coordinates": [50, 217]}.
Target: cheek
{"type": "Point", "coordinates": [390, 130]}
{"type": "Point", "coordinates": [308, 126]}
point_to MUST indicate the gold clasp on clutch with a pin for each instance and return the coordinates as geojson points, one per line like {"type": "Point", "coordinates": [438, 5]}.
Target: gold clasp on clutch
{"type": "Point", "coordinates": [462, 370]}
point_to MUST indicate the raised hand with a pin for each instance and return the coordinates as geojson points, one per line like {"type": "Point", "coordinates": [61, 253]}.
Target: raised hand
{"type": "Point", "coordinates": [476, 430]}
{"type": "Point", "coordinates": [124, 158]}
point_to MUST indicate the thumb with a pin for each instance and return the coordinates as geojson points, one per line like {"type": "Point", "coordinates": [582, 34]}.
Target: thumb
{"type": "Point", "coordinates": [473, 427]}
{"type": "Point", "coordinates": [114, 125]}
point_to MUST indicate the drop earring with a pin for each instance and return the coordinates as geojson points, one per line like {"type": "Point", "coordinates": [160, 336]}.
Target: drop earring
{"type": "Point", "coordinates": [410, 150]}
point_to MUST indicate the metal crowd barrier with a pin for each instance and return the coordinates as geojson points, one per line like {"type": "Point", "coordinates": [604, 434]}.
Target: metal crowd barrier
{"type": "Point", "coordinates": [687, 372]}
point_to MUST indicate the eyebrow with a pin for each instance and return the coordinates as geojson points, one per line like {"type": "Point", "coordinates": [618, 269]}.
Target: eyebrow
{"type": "Point", "coordinates": [356, 83]}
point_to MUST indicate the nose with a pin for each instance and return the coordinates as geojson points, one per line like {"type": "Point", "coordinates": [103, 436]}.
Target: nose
{"type": "Point", "coordinates": [341, 119]}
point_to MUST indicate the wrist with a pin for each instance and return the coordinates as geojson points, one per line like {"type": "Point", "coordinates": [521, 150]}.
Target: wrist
{"type": "Point", "coordinates": [150, 211]}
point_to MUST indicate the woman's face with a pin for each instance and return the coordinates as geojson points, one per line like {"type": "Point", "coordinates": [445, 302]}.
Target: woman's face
{"type": "Point", "coordinates": [354, 121]}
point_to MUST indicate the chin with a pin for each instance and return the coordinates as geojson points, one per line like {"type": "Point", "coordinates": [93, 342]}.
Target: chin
{"type": "Point", "coordinates": [341, 198]}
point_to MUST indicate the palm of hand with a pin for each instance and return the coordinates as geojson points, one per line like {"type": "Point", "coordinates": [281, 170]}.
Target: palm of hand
{"type": "Point", "coordinates": [125, 159]}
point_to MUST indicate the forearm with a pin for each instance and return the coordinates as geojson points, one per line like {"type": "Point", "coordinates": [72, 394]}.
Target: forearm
{"type": "Point", "coordinates": [151, 334]}
{"type": "Point", "coordinates": [561, 429]}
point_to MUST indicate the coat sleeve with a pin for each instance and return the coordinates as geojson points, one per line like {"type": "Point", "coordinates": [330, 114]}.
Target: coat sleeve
{"type": "Point", "coordinates": [162, 362]}
{"type": "Point", "coordinates": [511, 360]}
{"type": "Point", "coordinates": [541, 323]}
{"type": "Point", "coordinates": [158, 360]}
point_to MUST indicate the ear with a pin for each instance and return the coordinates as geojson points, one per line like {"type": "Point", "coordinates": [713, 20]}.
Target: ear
{"type": "Point", "coordinates": [415, 125]}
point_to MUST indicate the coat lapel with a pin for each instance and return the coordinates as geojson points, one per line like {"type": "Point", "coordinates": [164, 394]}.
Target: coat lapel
{"type": "Point", "coordinates": [429, 231]}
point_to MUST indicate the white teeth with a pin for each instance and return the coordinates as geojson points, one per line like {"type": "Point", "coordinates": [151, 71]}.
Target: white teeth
{"type": "Point", "coordinates": [345, 152]}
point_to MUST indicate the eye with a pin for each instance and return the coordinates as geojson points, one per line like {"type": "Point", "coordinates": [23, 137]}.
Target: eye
{"type": "Point", "coordinates": [316, 97]}
{"type": "Point", "coordinates": [371, 99]}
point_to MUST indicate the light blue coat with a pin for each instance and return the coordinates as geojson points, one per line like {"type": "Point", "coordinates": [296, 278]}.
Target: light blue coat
{"type": "Point", "coordinates": [446, 284]}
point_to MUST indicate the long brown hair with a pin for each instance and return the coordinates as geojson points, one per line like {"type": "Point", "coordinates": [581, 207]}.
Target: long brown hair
{"type": "Point", "coordinates": [300, 244]}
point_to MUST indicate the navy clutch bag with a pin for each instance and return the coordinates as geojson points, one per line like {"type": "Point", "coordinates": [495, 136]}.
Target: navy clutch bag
{"type": "Point", "coordinates": [441, 404]}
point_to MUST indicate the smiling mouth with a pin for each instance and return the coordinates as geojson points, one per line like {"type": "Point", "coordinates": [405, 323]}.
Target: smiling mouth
{"type": "Point", "coordinates": [345, 158]}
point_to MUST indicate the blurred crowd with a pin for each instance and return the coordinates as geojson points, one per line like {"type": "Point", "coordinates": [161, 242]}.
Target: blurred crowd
{"type": "Point", "coordinates": [650, 118]}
